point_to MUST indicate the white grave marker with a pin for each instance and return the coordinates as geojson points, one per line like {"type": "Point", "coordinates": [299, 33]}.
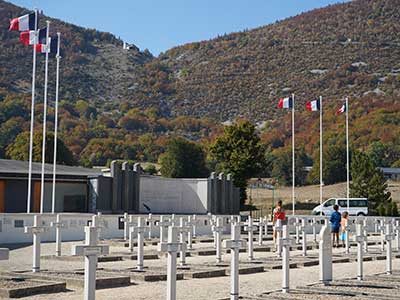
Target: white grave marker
{"type": "Point", "coordinates": [286, 242]}
{"type": "Point", "coordinates": [397, 230]}
{"type": "Point", "coordinates": [131, 231]}
{"type": "Point", "coordinates": [163, 224]}
{"type": "Point", "coordinates": [303, 229]}
{"type": "Point", "coordinates": [325, 255]}
{"type": "Point", "coordinates": [261, 225]}
{"type": "Point", "coordinates": [297, 225]}
{"type": "Point", "coordinates": [183, 231]}
{"type": "Point", "coordinates": [218, 229]}
{"type": "Point", "coordinates": [194, 221]}
{"type": "Point", "coordinates": [365, 225]}
{"type": "Point", "coordinates": [278, 230]}
{"type": "Point", "coordinates": [125, 219]}
{"type": "Point", "coordinates": [389, 237]}
{"type": "Point", "coordinates": [91, 250]}
{"type": "Point", "coordinates": [36, 230]}
{"type": "Point", "coordinates": [171, 247]}
{"type": "Point", "coordinates": [150, 221]}
{"type": "Point", "coordinates": [235, 244]}
{"type": "Point", "coordinates": [58, 224]}
{"type": "Point", "coordinates": [141, 229]}
{"type": "Point", "coordinates": [191, 226]}
{"type": "Point", "coordinates": [314, 229]}
{"type": "Point", "coordinates": [250, 228]}
{"type": "Point", "coordinates": [360, 241]}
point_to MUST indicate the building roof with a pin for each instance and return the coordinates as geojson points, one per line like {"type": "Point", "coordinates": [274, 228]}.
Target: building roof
{"type": "Point", "coordinates": [391, 170]}
{"type": "Point", "coordinates": [8, 166]}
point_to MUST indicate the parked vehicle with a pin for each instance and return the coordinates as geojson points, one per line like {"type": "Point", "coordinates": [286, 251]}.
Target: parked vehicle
{"type": "Point", "coordinates": [357, 206]}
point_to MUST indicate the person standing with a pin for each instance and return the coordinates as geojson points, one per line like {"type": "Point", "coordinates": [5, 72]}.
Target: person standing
{"type": "Point", "coordinates": [343, 224]}
{"type": "Point", "coordinates": [278, 214]}
{"type": "Point", "coordinates": [335, 220]}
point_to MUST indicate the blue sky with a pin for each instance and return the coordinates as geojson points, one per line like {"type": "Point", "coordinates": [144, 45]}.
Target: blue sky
{"type": "Point", "coordinates": [162, 24]}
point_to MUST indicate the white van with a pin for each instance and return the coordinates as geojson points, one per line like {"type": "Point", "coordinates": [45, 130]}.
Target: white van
{"type": "Point", "coordinates": [357, 206]}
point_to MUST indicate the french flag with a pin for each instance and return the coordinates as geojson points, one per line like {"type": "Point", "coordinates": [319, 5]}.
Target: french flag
{"type": "Point", "coordinates": [285, 102]}
{"type": "Point", "coordinates": [41, 48]}
{"type": "Point", "coordinates": [28, 37]}
{"type": "Point", "coordinates": [341, 110]}
{"type": "Point", "coordinates": [24, 23]}
{"type": "Point", "coordinates": [313, 105]}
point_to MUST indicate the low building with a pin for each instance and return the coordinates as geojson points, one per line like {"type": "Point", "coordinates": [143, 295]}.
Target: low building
{"type": "Point", "coordinates": [71, 187]}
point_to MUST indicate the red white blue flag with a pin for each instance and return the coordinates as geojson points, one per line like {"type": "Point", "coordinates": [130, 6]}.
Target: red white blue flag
{"type": "Point", "coordinates": [313, 105]}
{"type": "Point", "coordinates": [28, 37]}
{"type": "Point", "coordinates": [41, 48]}
{"type": "Point", "coordinates": [285, 102]}
{"type": "Point", "coordinates": [23, 23]}
{"type": "Point", "coordinates": [342, 109]}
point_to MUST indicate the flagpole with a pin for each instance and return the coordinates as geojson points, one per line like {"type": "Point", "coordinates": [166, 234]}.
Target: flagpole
{"type": "Point", "coordinates": [347, 156]}
{"type": "Point", "coordinates": [320, 153]}
{"type": "Point", "coordinates": [44, 117]}
{"type": "Point", "coordinates": [28, 200]}
{"type": "Point", "coordinates": [293, 164]}
{"type": "Point", "coordinates": [53, 199]}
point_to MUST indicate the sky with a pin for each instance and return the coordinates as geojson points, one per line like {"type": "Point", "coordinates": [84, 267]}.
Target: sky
{"type": "Point", "coordinates": [159, 25]}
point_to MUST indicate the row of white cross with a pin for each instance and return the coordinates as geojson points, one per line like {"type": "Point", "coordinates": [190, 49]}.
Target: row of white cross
{"type": "Point", "coordinates": [185, 228]}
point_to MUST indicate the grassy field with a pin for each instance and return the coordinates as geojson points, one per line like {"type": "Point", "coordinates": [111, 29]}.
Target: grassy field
{"type": "Point", "coordinates": [307, 196]}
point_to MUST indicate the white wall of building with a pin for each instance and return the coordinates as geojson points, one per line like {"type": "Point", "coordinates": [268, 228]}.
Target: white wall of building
{"type": "Point", "coordinates": [169, 195]}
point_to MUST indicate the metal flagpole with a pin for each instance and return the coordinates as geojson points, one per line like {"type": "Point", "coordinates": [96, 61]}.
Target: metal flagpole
{"type": "Point", "coordinates": [44, 116]}
{"type": "Point", "coordinates": [28, 201]}
{"type": "Point", "coordinates": [53, 198]}
{"type": "Point", "coordinates": [320, 153]}
{"type": "Point", "coordinates": [347, 155]}
{"type": "Point", "coordinates": [293, 164]}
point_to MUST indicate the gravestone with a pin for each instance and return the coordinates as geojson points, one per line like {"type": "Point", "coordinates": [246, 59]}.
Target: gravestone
{"type": "Point", "coordinates": [183, 231]}
{"type": "Point", "coordinates": [171, 247]}
{"type": "Point", "coordinates": [36, 230]}
{"type": "Point", "coordinates": [218, 229]}
{"type": "Point", "coordinates": [397, 230]}
{"type": "Point", "coordinates": [140, 229]}
{"type": "Point", "coordinates": [360, 237]}
{"type": "Point", "coordinates": [150, 221]}
{"type": "Point", "coordinates": [389, 237]}
{"type": "Point", "coordinates": [286, 243]}
{"type": "Point", "coordinates": [261, 225]}
{"type": "Point", "coordinates": [303, 229]}
{"type": "Point", "coordinates": [381, 228]}
{"type": "Point", "coordinates": [4, 254]}
{"type": "Point", "coordinates": [163, 224]}
{"type": "Point", "coordinates": [325, 255]}
{"type": "Point", "coordinates": [314, 229]}
{"type": "Point", "coordinates": [125, 219]}
{"type": "Point", "coordinates": [365, 225]}
{"type": "Point", "coordinates": [234, 244]}
{"type": "Point", "coordinates": [131, 231]}
{"type": "Point", "coordinates": [191, 225]}
{"type": "Point", "coordinates": [297, 225]}
{"type": "Point", "coordinates": [90, 250]}
{"type": "Point", "coordinates": [58, 224]}
{"type": "Point", "coordinates": [194, 224]}
{"type": "Point", "coordinates": [250, 228]}
{"type": "Point", "coordinates": [278, 230]}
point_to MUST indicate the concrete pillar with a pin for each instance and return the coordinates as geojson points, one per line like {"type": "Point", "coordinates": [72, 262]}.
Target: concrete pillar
{"type": "Point", "coordinates": [116, 174]}
{"type": "Point", "coordinates": [136, 191]}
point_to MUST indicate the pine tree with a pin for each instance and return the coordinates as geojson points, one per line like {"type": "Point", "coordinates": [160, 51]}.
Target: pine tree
{"type": "Point", "coordinates": [368, 182]}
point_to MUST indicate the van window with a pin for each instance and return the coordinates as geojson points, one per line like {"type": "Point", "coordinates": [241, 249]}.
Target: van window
{"type": "Point", "coordinates": [330, 202]}
{"type": "Point", "coordinates": [343, 203]}
{"type": "Point", "coordinates": [358, 203]}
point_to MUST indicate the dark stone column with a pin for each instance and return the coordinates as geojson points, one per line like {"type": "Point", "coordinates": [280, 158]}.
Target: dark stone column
{"type": "Point", "coordinates": [116, 174]}
{"type": "Point", "coordinates": [136, 187]}
{"type": "Point", "coordinates": [222, 194]}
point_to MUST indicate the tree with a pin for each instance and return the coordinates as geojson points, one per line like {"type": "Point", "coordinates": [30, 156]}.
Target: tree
{"type": "Point", "coordinates": [183, 159]}
{"type": "Point", "coordinates": [334, 165]}
{"type": "Point", "coordinates": [282, 166]}
{"type": "Point", "coordinates": [151, 170]}
{"type": "Point", "coordinates": [368, 182]}
{"type": "Point", "coordinates": [240, 152]}
{"type": "Point", "coordinates": [19, 150]}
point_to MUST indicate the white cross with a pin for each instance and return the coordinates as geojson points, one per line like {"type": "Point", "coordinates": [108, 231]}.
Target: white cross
{"type": "Point", "coordinates": [163, 224]}
{"type": "Point", "coordinates": [36, 230]}
{"type": "Point", "coordinates": [58, 224]}
{"type": "Point", "coordinates": [235, 244]}
{"type": "Point", "coordinates": [91, 250]}
{"type": "Point", "coordinates": [150, 221]}
{"type": "Point", "coordinates": [297, 225]}
{"type": "Point", "coordinates": [365, 225]}
{"type": "Point", "coordinates": [397, 229]}
{"type": "Point", "coordinates": [171, 247]}
{"type": "Point", "coordinates": [261, 224]}
{"type": "Point", "coordinates": [381, 228]}
{"type": "Point", "coordinates": [389, 237]}
{"type": "Point", "coordinates": [325, 254]}
{"type": "Point", "coordinates": [125, 219]}
{"type": "Point", "coordinates": [250, 229]}
{"type": "Point", "coordinates": [183, 230]}
{"type": "Point", "coordinates": [303, 229]}
{"type": "Point", "coordinates": [286, 243]}
{"type": "Point", "coordinates": [278, 230]}
{"type": "Point", "coordinates": [194, 223]}
{"type": "Point", "coordinates": [141, 229]}
{"type": "Point", "coordinates": [131, 231]}
{"type": "Point", "coordinates": [360, 238]}
{"type": "Point", "coordinates": [314, 229]}
{"type": "Point", "coordinates": [191, 225]}
{"type": "Point", "coordinates": [4, 254]}
{"type": "Point", "coordinates": [218, 229]}
{"type": "Point", "coordinates": [96, 220]}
